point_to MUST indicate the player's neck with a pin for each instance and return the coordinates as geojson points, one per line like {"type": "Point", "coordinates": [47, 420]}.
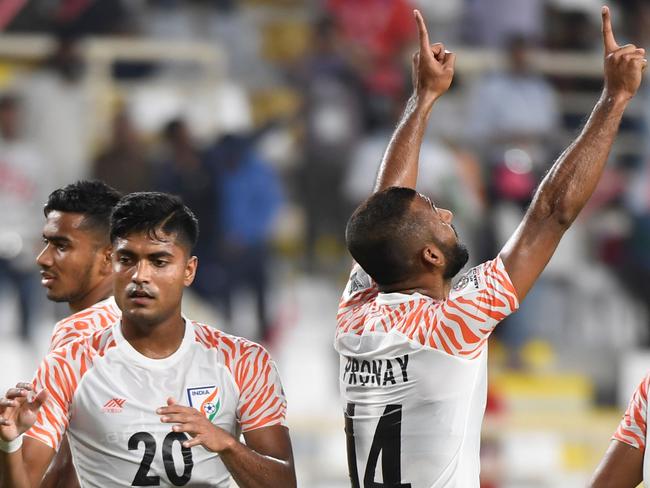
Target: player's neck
{"type": "Point", "coordinates": [97, 293]}
{"type": "Point", "coordinates": [430, 285]}
{"type": "Point", "coordinates": [155, 341]}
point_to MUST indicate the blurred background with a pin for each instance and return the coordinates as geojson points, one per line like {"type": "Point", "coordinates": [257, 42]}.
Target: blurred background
{"type": "Point", "coordinates": [269, 117]}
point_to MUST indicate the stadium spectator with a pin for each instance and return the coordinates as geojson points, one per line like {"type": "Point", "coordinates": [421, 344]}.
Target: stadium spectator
{"type": "Point", "coordinates": [123, 163]}
{"type": "Point", "coordinates": [251, 196]}
{"type": "Point", "coordinates": [332, 126]}
{"type": "Point", "coordinates": [58, 112]}
{"type": "Point", "coordinates": [375, 35]}
{"type": "Point", "coordinates": [186, 171]}
{"type": "Point", "coordinates": [23, 173]}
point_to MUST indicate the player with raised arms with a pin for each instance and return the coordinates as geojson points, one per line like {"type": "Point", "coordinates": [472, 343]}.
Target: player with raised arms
{"type": "Point", "coordinates": [413, 349]}
{"type": "Point", "coordinates": [156, 399]}
{"type": "Point", "coordinates": [627, 461]}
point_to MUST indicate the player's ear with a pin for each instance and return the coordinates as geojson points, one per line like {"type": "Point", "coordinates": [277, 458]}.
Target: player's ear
{"type": "Point", "coordinates": [433, 257]}
{"type": "Point", "coordinates": [190, 270]}
{"type": "Point", "coordinates": [106, 254]}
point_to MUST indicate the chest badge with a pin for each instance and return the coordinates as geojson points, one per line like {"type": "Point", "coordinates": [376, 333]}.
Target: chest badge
{"type": "Point", "coordinates": [205, 399]}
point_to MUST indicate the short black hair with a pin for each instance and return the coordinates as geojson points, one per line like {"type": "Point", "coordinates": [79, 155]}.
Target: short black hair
{"type": "Point", "coordinates": [379, 235]}
{"type": "Point", "coordinates": [152, 212]}
{"type": "Point", "coordinates": [92, 198]}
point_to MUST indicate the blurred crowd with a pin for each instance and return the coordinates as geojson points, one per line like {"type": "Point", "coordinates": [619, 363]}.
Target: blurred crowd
{"type": "Point", "coordinates": [276, 157]}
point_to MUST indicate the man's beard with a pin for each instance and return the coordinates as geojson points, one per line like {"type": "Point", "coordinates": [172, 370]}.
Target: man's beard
{"type": "Point", "coordinates": [456, 257]}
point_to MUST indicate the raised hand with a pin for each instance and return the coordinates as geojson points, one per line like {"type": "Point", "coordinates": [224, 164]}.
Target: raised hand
{"type": "Point", "coordinates": [433, 66]}
{"type": "Point", "coordinates": [194, 423]}
{"type": "Point", "coordinates": [18, 410]}
{"type": "Point", "coordinates": [624, 65]}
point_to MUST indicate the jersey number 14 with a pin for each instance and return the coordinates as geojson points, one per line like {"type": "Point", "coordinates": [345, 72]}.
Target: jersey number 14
{"type": "Point", "coordinates": [387, 441]}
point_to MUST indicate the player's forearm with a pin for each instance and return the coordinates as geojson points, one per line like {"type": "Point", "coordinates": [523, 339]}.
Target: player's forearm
{"type": "Point", "coordinates": [253, 470]}
{"type": "Point", "coordinates": [573, 178]}
{"type": "Point", "coordinates": [399, 166]}
{"type": "Point", "coordinates": [13, 472]}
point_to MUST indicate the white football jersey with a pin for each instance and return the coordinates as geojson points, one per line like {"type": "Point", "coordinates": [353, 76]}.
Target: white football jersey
{"type": "Point", "coordinates": [105, 394]}
{"type": "Point", "coordinates": [99, 316]}
{"type": "Point", "coordinates": [413, 378]}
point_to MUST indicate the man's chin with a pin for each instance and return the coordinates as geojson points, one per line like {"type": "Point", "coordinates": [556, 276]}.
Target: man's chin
{"type": "Point", "coordinates": [53, 296]}
{"type": "Point", "coordinates": [457, 258]}
{"type": "Point", "coordinates": [140, 316]}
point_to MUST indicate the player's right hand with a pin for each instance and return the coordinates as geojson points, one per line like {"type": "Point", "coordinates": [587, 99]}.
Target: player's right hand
{"type": "Point", "coordinates": [18, 410]}
{"type": "Point", "coordinates": [624, 65]}
{"type": "Point", "coordinates": [433, 66]}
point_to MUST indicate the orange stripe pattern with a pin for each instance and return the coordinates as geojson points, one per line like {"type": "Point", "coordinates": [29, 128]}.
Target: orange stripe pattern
{"type": "Point", "coordinates": [59, 374]}
{"type": "Point", "coordinates": [261, 398]}
{"type": "Point", "coordinates": [632, 428]}
{"type": "Point", "coordinates": [459, 325]}
{"type": "Point", "coordinates": [84, 323]}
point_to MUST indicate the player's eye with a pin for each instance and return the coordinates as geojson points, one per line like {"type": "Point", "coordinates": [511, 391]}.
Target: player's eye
{"type": "Point", "coordinates": [159, 263]}
{"type": "Point", "coordinates": [123, 259]}
{"type": "Point", "coordinates": [62, 247]}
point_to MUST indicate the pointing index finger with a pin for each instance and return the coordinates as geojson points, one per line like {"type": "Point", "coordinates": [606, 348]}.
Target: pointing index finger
{"type": "Point", "coordinates": [422, 32]}
{"type": "Point", "coordinates": [608, 33]}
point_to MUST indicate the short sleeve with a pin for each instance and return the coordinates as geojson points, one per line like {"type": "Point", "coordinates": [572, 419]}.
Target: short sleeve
{"type": "Point", "coordinates": [481, 298]}
{"type": "Point", "coordinates": [632, 429]}
{"type": "Point", "coordinates": [55, 375]}
{"type": "Point", "coordinates": [359, 289]}
{"type": "Point", "coordinates": [262, 402]}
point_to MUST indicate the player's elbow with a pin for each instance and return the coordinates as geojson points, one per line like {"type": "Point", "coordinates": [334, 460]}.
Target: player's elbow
{"type": "Point", "coordinates": [549, 211]}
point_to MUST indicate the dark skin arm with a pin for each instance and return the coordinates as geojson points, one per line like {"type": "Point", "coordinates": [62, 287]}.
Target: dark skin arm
{"type": "Point", "coordinates": [571, 180]}
{"type": "Point", "coordinates": [61, 472]}
{"type": "Point", "coordinates": [433, 70]}
{"type": "Point", "coordinates": [265, 461]}
{"type": "Point", "coordinates": [25, 467]}
{"type": "Point", "coordinates": [621, 467]}
{"type": "Point", "coordinates": [574, 176]}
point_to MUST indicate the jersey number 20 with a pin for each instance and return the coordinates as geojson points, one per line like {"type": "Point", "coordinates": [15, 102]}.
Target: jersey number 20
{"type": "Point", "coordinates": [142, 477]}
{"type": "Point", "coordinates": [387, 440]}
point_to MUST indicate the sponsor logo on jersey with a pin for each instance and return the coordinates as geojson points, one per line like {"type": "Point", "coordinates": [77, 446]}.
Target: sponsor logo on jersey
{"type": "Point", "coordinates": [114, 405]}
{"type": "Point", "coordinates": [473, 277]}
{"type": "Point", "coordinates": [205, 400]}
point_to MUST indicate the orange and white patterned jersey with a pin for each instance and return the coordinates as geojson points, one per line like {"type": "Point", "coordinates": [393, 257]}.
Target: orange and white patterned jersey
{"type": "Point", "coordinates": [85, 322]}
{"type": "Point", "coordinates": [104, 393]}
{"type": "Point", "coordinates": [633, 429]}
{"type": "Point", "coordinates": [413, 378]}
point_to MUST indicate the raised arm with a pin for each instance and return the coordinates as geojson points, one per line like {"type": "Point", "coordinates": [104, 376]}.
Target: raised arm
{"type": "Point", "coordinates": [433, 70]}
{"type": "Point", "coordinates": [21, 465]}
{"type": "Point", "coordinates": [574, 176]}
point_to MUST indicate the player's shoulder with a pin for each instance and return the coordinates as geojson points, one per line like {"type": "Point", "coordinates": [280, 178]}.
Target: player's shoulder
{"type": "Point", "coordinates": [644, 386]}
{"type": "Point", "coordinates": [227, 344]}
{"type": "Point", "coordinates": [488, 274]}
{"type": "Point", "coordinates": [86, 322]}
{"type": "Point", "coordinates": [104, 312]}
{"type": "Point", "coordinates": [81, 352]}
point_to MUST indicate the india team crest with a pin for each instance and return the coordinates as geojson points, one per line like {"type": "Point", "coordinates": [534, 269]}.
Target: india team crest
{"type": "Point", "coordinates": [205, 399]}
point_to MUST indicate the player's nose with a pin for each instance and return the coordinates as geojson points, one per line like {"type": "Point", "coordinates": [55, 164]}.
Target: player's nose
{"type": "Point", "coordinates": [446, 215]}
{"type": "Point", "coordinates": [44, 259]}
{"type": "Point", "coordinates": [142, 272]}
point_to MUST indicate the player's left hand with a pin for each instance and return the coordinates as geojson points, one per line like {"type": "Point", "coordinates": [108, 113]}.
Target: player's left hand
{"type": "Point", "coordinates": [194, 423]}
